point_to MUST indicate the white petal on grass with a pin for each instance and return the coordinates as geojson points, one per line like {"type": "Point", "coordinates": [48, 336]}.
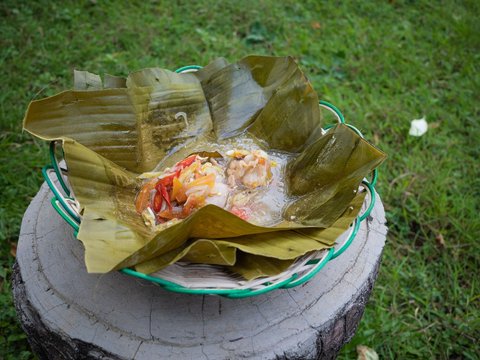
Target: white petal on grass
{"type": "Point", "coordinates": [418, 127]}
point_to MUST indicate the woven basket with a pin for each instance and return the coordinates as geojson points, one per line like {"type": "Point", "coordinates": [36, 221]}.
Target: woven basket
{"type": "Point", "coordinates": [205, 279]}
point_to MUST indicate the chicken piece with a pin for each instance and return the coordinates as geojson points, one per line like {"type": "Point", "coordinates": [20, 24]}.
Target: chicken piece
{"type": "Point", "coordinates": [249, 168]}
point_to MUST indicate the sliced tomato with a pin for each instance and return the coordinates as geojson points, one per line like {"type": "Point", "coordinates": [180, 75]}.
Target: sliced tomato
{"type": "Point", "coordinates": [166, 214]}
{"type": "Point", "coordinates": [242, 213]}
{"type": "Point", "coordinates": [169, 214]}
{"type": "Point", "coordinates": [143, 197]}
{"type": "Point", "coordinates": [192, 203]}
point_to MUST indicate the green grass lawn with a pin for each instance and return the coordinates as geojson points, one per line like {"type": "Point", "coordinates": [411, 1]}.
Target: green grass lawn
{"type": "Point", "coordinates": [382, 63]}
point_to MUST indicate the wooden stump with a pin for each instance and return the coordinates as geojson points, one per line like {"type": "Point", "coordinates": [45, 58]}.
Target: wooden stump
{"type": "Point", "coordinates": [70, 314]}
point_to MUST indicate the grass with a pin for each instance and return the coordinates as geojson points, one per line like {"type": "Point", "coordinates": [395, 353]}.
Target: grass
{"type": "Point", "coordinates": [382, 63]}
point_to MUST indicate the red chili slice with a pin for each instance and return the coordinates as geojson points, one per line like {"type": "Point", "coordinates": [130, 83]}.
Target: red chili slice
{"type": "Point", "coordinates": [186, 162]}
{"type": "Point", "coordinates": [165, 195]}
{"type": "Point", "coordinates": [166, 181]}
{"type": "Point", "coordinates": [157, 201]}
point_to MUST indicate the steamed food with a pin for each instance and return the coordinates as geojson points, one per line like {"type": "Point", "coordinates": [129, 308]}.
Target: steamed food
{"type": "Point", "coordinates": [240, 181]}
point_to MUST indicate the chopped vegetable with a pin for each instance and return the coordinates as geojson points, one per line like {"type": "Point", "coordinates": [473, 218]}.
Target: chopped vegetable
{"type": "Point", "coordinates": [143, 198]}
{"type": "Point", "coordinates": [178, 192]}
{"type": "Point", "coordinates": [186, 162]}
{"type": "Point", "coordinates": [168, 180]}
{"type": "Point", "coordinates": [165, 195]}
{"type": "Point", "coordinates": [197, 181]}
{"type": "Point", "coordinates": [208, 180]}
{"type": "Point", "coordinates": [192, 202]}
{"type": "Point", "coordinates": [157, 201]}
{"type": "Point", "coordinates": [242, 213]}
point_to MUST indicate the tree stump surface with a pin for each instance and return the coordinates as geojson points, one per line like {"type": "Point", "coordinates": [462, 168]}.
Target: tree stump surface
{"type": "Point", "coordinates": [70, 314]}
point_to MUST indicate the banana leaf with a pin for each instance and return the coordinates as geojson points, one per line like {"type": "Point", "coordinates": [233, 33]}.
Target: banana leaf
{"type": "Point", "coordinates": [255, 266]}
{"type": "Point", "coordinates": [84, 80]}
{"type": "Point", "coordinates": [281, 245]}
{"type": "Point", "coordinates": [115, 131]}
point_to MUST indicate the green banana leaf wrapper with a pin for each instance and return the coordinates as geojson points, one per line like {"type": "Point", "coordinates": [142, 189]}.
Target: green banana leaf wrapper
{"type": "Point", "coordinates": [116, 129]}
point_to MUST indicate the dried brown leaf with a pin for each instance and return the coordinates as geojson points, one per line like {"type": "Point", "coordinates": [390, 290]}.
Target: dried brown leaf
{"type": "Point", "coordinates": [366, 353]}
{"type": "Point", "coordinates": [440, 240]}
{"type": "Point", "coordinates": [13, 249]}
